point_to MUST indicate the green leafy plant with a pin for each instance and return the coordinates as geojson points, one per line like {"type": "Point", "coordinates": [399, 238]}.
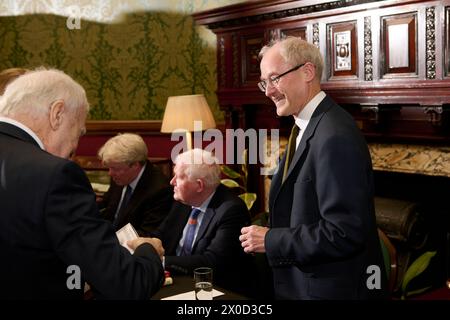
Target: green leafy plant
{"type": "Point", "coordinates": [415, 269]}
{"type": "Point", "coordinates": [239, 180]}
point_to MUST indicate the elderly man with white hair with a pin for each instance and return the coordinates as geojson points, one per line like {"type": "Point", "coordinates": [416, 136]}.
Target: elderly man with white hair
{"type": "Point", "coordinates": [52, 237]}
{"type": "Point", "coordinates": [202, 229]}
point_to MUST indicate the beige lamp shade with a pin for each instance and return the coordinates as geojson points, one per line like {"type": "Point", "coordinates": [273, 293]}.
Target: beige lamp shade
{"type": "Point", "coordinates": [182, 111]}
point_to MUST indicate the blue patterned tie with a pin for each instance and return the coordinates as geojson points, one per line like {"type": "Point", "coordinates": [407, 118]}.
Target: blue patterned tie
{"type": "Point", "coordinates": [123, 205]}
{"type": "Point", "coordinates": [190, 233]}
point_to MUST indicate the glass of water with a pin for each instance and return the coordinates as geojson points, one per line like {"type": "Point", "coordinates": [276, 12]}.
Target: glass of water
{"type": "Point", "coordinates": [203, 279]}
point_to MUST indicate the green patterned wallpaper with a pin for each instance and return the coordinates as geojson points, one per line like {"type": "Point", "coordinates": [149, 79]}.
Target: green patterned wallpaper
{"type": "Point", "coordinates": [128, 67]}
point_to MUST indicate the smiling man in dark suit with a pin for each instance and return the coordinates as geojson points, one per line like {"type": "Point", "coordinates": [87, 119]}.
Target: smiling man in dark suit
{"type": "Point", "coordinates": [51, 234]}
{"type": "Point", "coordinates": [322, 238]}
{"type": "Point", "coordinates": [139, 193]}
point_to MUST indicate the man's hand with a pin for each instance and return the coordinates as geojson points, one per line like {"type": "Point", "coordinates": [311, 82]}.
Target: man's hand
{"type": "Point", "coordinates": [252, 239]}
{"type": "Point", "coordinates": [155, 242]}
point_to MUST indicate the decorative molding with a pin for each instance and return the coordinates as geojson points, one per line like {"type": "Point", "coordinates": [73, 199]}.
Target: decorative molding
{"type": "Point", "coordinates": [273, 35]}
{"type": "Point", "coordinates": [431, 43]}
{"type": "Point", "coordinates": [446, 44]}
{"type": "Point", "coordinates": [368, 66]}
{"type": "Point", "coordinates": [153, 127]}
{"type": "Point", "coordinates": [223, 69]}
{"type": "Point", "coordinates": [287, 13]}
{"type": "Point", "coordinates": [373, 110]}
{"type": "Point", "coordinates": [316, 35]}
{"type": "Point", "coordinates": [437, 115]}
{"type": "Point", "coordinates": [236, 68]}
{"type": "Point", "coordinates": [95, 127]}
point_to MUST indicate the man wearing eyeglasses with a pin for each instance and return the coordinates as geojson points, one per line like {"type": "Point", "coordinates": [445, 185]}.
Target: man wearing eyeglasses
{"type": "Point", "coordinates": [322, 241]}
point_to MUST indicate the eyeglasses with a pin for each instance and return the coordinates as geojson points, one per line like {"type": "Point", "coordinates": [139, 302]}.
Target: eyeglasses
{"type": "Point", "coordinates": [262, 85]}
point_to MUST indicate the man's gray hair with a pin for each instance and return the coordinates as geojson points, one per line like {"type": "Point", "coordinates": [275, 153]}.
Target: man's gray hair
{"type": "Point", "coordinates": [126, 148]}
{"type": "Point", "coordinates": [201, 164]}
{"type": "Point", "coordinates": [296, 51]}
{"type": "Point", "coordinates": [34, 92]}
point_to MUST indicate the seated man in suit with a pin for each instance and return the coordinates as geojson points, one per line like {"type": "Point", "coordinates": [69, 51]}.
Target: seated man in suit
{"type": "Point", "coordinates": [140, 193]}
{"type": "Point", "coordinates": [203, 226]}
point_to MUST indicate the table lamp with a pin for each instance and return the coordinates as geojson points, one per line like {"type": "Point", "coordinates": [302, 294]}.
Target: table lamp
{"type": "Point", "coordinates": [181, 113]}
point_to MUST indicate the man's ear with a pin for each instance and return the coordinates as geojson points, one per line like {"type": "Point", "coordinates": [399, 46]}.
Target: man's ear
{"type": "Point", "coordinates": [56, 114]}
{"type": "Point", "coordinates": [310, 71]}
{"type": "Point", "coordinates": [200, 185]}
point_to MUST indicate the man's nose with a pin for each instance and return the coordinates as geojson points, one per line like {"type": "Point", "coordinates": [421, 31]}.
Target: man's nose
{"type": "Point", "coordinates": [270, 88]}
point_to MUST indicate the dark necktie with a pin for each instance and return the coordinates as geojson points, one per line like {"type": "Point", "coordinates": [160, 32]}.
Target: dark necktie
{"type": "Point", "coordinates": [290, 151]}
{"type": "Point", "coordinates": [123, 205]}
{"type": "Point", "coordinates": [190, 233]}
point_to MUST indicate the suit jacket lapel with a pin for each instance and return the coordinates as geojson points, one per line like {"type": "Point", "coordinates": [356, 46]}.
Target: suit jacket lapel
{"type": "Point", "coordinates": [323, 106]}
{"type": "Point", "coordinates": [276, 182]}
{"type": "Point", "coordinates": [181, 217]}
{"type": "Point", "coordinates": [138, 192]}
{"type": "Point", "coordinates": [209, 214]}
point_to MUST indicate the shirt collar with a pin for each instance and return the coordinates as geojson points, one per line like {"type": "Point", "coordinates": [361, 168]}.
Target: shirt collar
{"type": "Point", "coordinates": [24, 128]}
{"type": "Point", "coordinates": [134, 183]}
{"type": "Point", "coordinates": [303, 117]}
{"type": "Point", "coordinates": [205, 203]}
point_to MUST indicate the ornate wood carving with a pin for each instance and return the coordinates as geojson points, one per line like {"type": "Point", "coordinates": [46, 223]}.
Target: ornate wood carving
{"type": "Point", "coordinates": [222, 75]}
{"type": "Point", "coordinates": [291, 12]}
{"type": "Point", "coordinates": [438, 115]}
{"type": "Point", "coordinates": [316, 35]}
{"type": "Point", "coordinates": [387, 98]}
{"type": "Point", "coordinates": [382, 71]}
{"type": "Point", "coordinates": [236, 65]}
{"type": "Point", "coordinates": [431, 43]}
{"type": "Point", "coordinates": [250, 46]}
{"type": "Point", "coordinates": [368, 67]}
{"type": "Point", "coordinates": [274, 34]}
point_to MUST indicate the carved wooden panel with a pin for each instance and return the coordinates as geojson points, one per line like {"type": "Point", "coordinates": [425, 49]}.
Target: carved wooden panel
{"type": "Point", "coordinates": [430, 59]}
{"type": "Point", "coordinates": [377, 68]}
{"type": "Point", "coordinates": [368, 56]}
{"type": "Point", "coordinates": [447, 42]}
{"type": "Point", "coordinates": [399, 45]}
{"type": "Point", "coordinates": [251, 45]}
{"type": "Point", "coordinates": [221, 68]}
{"type": "Point", "coordinates": [342, 45]}
{"type": "Point", "coordinates": [295, 32]}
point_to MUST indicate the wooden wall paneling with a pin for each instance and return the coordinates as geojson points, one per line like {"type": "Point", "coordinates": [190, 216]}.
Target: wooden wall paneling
{"type": "Point", "coordinates": [406, 101]}
{"type": "Point", "coordinates": [399, 45]}
{"type": "Point", "coordinates": [236, 58]}
{"type": "Point", "coordinates": [221, 58]}
{"type": "Point", "coordinates": [446, 36]}
{"type": "Point", "coordinates": [342, 48]}
{"type": "Point", "coordinates": [294, 32]}
{"type": "Point", "coordinates": [251, 43]}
